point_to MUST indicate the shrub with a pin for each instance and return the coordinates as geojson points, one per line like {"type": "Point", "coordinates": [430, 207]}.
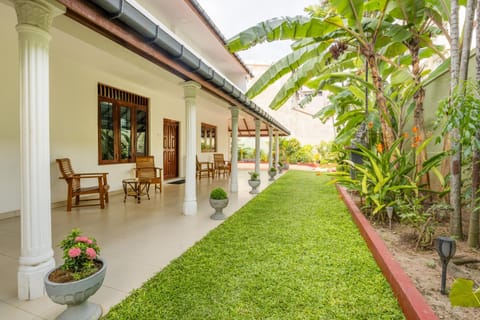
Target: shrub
{"type": "Point", "coordinates": [253, 175]}
{"type": "Point", "coordinates": [79, 253]}
{"type": "Point", "coordinates": [218, 194]}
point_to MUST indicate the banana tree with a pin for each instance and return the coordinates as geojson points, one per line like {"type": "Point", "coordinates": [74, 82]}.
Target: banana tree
{"type": "Point", "coordinates": [345, 29]}
{"type": "Point", "coordinates": [334, 34]}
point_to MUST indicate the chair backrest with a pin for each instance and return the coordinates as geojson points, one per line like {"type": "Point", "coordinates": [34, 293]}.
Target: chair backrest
{"type": "Point", "coordinates": [146, 167]}
{"type": "Point", "coordinates": [218, 157]}
{"type": "Point", "coordinates": [198, 163]}
{"type": "Point", "coordinates": [65, 167]}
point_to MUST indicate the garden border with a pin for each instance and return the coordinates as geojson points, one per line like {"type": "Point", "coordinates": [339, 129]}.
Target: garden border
{"type": "Point", "coordinates": [410, 299]}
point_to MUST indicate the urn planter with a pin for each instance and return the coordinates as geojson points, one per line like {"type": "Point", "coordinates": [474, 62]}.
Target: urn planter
{"type": "Point", "coordinates": [272, 174]}
{"type": "Point", "coordinates": [218, 205]}
{"type": "Point", "coordinates": [75, 294]}
{"type": "Point", "coordinates": [254, 184]}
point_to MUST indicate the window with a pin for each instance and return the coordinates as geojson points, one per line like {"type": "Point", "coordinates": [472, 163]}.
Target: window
{"type": "Point", "coordinates": [208, 138]}
{"type": "Point", "coordinates": [122, 125]}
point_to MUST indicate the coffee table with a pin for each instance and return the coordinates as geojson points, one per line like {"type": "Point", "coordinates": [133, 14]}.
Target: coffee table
{"type": "Point", "coordinates": [135, 187]}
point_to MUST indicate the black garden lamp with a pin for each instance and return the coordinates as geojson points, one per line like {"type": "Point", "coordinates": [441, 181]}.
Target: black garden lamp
{"type": "Point", "coordinates": [446, 250]}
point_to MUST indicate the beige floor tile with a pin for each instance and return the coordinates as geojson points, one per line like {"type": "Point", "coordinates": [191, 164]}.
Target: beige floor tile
{"type": "Point", "coordinates": [137, 240]}
{"type": "Point", "coordinates": [9, 312]}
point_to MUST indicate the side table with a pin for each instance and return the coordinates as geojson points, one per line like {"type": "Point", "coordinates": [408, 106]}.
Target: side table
{"type": "Point", "coordinates": [137, 187]}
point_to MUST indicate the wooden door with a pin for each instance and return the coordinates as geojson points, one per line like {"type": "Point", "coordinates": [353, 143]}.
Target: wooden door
{"type": "Point", "coordinates": [170, 148]}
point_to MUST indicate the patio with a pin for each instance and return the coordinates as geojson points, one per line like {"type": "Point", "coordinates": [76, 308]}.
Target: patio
{"type": "Point", "coordinates": [137, 240]}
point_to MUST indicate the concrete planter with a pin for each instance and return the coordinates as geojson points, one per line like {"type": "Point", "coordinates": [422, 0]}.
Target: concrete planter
{"type": "Point", "coordinates": [272, 175]}
{"type": "Point", "coordinates": [254, 184]}
{"type": "Point", "coordinates": [218, 205]}
{"type": "Point", "coordinates": [75, 294]}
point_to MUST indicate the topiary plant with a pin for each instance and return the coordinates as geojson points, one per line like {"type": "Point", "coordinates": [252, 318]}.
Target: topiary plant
{"type": "Point", "coordinates": [218, 194]}
{"type": "Point", "coordinates": [272, 169]}
{"type": "Point", "coordinates": [254, 175]}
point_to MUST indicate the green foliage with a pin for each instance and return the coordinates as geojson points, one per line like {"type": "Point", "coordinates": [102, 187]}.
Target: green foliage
{"type": "Point", "coordinates": [218, 194]}
{"type": "Point", "coordinates": [254, 175]}
{"type": "Point", "coordinates": [462, 110]}
{"type": "Point", "coordinates": [78, 254]}
{"type": "Point", "coordinates": [290, 253]}
{"type": "Point", "coordinates": [390, 177]}
{"type": "Point", "coordinates": [462, 294]}
{"type": "Point", "coordinates": [272, 169]}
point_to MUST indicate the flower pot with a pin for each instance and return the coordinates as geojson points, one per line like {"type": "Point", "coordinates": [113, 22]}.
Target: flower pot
{"type": "Point", "coordinates": [75, 294]}
{"type": "Point", "coordinates": [218, 205]}
{"type": "Point", "coordinates": [280, 168]}
{"type": "Point", "coordinates": [254, 184]}
{"type": "Point", "coordinates": [272, 175]}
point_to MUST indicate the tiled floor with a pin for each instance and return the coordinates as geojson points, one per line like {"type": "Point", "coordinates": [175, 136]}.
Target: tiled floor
{"type": "Point", "coordinates": [137, 241]}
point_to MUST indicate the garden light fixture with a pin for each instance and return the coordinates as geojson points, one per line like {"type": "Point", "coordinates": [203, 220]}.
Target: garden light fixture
{"type": "Point", "coordinates": [446, 250]}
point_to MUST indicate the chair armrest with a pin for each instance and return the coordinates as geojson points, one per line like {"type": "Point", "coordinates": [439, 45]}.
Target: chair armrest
{"type": "Point", "coordinates": [91, 173]}
{"type": "Point", "coordinates": [87, 176]}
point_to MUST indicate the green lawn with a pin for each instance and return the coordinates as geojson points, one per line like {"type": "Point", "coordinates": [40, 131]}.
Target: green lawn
{"type": "Point", "coordinates": [293, 252]}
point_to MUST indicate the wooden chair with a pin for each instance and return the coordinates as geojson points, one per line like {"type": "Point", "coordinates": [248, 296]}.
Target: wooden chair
{"type": "Point", "coordinates": [220, 165]}
{"type": "Point", "coordinates": [146, 169]}
{"type": "Point", "coordinates": [75, 188]}
{"type": "Point", "coordinates": [204, 167]}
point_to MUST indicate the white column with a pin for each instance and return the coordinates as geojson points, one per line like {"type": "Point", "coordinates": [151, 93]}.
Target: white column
{"type": "Point", "coordinates": [36, 253]}
{"type": "Point", "coordinates": [234, 157]}
{"type": "Point", "coordinates": [270, 147]}
{"type": "Point", "coordinates": [277, 150]}
{"type": "Point", "coordinates": [190, 202]}
{"type": "Point", "coordinates": [257, 145]}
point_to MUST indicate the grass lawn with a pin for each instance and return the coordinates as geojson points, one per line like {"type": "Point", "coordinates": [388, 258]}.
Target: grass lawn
{"type": "Point", "coordinates": [293, 252]}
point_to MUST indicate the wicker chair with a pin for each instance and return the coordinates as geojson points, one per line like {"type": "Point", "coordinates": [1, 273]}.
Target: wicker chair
{"type": "Point", "coordinates": [75, 188]}
{"type": "Point", "coordinates": [220, 165]}
{"type": "Point", "coordinates": [146, 169]}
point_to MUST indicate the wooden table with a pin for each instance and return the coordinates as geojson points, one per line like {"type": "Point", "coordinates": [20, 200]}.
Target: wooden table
{"type": "Point", "coordinates": [137, 186]}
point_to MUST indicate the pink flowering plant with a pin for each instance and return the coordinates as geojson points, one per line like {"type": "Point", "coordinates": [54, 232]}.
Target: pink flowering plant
{"type": "Point", "coordinates": [79, 254]}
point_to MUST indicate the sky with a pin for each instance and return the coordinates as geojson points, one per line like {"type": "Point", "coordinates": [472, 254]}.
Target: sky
{"type": "Point", "coordinates": [234, 16]}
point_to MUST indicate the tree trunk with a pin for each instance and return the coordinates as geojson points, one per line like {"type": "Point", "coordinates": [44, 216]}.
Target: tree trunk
{"type": "Point", "coordinates": [456, 159]}
{"type": "Point", "coordinates": [418, 117]}
{"type": "Point", "coordinates": [474, 223]}
{"type": "Point", "coordinates": [387, 131]}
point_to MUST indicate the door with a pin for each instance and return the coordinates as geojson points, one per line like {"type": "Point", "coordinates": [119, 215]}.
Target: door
{"type": "Point", "coordinates": [170, 148]}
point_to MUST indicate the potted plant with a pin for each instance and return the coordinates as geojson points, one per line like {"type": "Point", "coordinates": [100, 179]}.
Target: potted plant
{"type": "Point", "coordinates": [218, 201]}
{"type": "Point", "coordinates": [280, 167]}
{"type": "Point", "coordinates": [254, 182]}
{"type": "Point", "coordinates": [80, 276]}
{"type": "Point", "coordinates": [272, 172]}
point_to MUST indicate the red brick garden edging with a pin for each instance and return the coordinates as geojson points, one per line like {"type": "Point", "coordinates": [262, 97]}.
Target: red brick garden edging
{"type": "Point", "coordinates": [410, 299]}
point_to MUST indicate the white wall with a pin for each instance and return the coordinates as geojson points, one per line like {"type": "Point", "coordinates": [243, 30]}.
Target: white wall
{"type": "Point", "coordinates": [9, 121]}
{"type": "Point", "coordinates": [79, 59]}
{"type": "Point", "coordinates": [302, 126]}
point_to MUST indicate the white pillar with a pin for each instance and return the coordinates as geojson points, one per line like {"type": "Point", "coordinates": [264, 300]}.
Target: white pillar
{"type": "Point", "coordinates": [270, 147]}
{"type": "Point", "coordinates": [277, 150]}
{"type": "Point", "coordinates": [36, 253]}
{"type": "Point", "coordinates": [257, 145]}
{"type": "Point", "coordinates": [190, 202]}
{"type": "Point", "coordinates": [234, 157]}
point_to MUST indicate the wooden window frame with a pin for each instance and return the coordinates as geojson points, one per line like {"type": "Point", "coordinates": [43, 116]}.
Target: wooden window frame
{"type": "Point", "coordinates": [120, 98]}
{"type": "Point", "coordinates": [206, 144]}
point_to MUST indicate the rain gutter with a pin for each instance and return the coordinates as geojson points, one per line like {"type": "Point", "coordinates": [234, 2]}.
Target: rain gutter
{"type": "Point", "coordinates": [154, 35]}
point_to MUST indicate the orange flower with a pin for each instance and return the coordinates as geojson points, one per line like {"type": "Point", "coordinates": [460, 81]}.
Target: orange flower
{"type": "Point", "coordinates": [370, 125]}
{"type": "Point", "coordinates": [380, 148]}
{"type": "Point", "coordinates": [414, 129]}
{"type": "Point", "coordinates": [417, 139]}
